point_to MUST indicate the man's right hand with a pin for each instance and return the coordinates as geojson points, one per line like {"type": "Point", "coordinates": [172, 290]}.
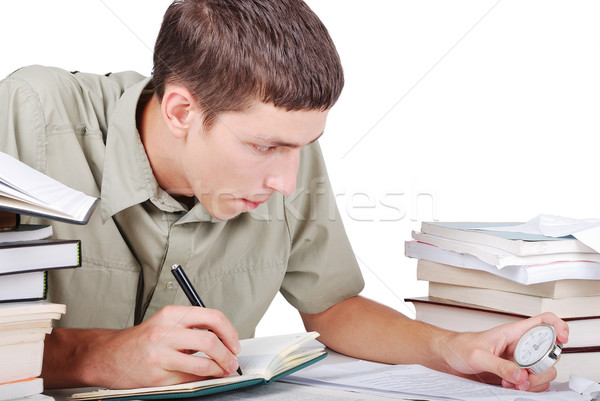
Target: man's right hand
{"type": "Point", "coordinates": [155, 353]}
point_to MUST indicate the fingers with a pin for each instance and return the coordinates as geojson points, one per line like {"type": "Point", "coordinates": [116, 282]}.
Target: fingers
{"type": "Point", "coordinates": [541, 381]}
{"type": "Point", "coordinates": [521, 379]}
{"type": "Point", "coordinates": [197, 366]}
{"type": "Point", "coordinates": [561, 328]}
{"type": "Point", "coordinates": [534, 382]}
{"type": "Point", "coordinates": [200, 318]}
{"type": "Point", "coordinates": [167, 341]}
{"type": "Point", "coordinates": [218, 360]}
{"type": "Point", "coordinates": [511, 375]}
{"type": "Point", "coordinates": [514, 377]}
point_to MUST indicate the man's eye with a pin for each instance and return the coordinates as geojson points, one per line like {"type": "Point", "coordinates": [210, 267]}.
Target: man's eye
{"type": "Point", "coordinates": [263, 149]}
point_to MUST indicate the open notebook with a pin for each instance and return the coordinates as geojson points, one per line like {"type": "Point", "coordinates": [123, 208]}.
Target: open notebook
{"type": "Point", "coordinates": [262, 360]}
{"type": "Point", "coordinates": [25, 190]}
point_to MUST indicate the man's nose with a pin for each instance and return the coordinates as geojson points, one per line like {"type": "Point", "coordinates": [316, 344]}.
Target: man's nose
{"type": "Point", "coordinates": [283, 177]}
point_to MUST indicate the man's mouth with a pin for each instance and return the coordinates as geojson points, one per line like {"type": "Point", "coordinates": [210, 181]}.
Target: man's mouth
{"type": "Point", "coordinates": [253, 204]}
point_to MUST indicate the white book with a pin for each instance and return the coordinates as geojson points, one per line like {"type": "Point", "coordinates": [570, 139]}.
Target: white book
{"type": "Point", "coordinates": [461, 317]}
{"type": "Point", "coordinates": [35, 397]}
{"type": "Point", "coordinates": [23, 286]}
{"type": "Point", "coordinates": [21, 388]}
{"type": "Point", "coordinates": [25, 190]}
{"type": "Point", "coordinates": [442, 273]}
{"type": "Point", "coordinates": [514, 242]}
{"type": "Point", "coordinates": [21, 361]}
{"type": "Point", "coordinates": [517, 303]}
{"type": "Point", "coordinates": [26, 232]}
{"type": "Point", "coordinates": [501, 258]}
{"type": "Point", "coordinates": [520, 274]}
{"type": "Point", "coordinates": [20, 314]}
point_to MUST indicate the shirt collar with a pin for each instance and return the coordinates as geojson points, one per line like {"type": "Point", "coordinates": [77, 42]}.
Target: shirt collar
{"type": "Point", "coordinates": [127, 177]}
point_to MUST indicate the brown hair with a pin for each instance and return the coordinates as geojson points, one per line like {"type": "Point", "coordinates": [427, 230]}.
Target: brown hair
{"type": "Point", "coordinates": [231, 52]}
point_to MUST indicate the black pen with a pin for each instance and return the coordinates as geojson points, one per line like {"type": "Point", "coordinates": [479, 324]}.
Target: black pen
{"type": "Point", "coordinates": [190, 291]}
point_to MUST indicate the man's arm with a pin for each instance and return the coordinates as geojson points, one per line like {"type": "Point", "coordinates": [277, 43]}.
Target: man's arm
{"type": "Point", "coordinates": [364, 329]}
{"type": "Point", "coordinates": [156, 352]}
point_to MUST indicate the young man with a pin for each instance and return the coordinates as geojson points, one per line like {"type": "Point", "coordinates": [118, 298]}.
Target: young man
{"type": "Point", "coordinates": [212, 163]}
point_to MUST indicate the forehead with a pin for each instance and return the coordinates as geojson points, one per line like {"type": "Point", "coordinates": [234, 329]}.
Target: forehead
{"type": "Point", "coordinates": [268, 122]}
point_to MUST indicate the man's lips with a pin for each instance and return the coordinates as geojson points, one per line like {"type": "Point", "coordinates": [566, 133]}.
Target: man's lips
{"type": "Point", "coordinates": [253, 204]}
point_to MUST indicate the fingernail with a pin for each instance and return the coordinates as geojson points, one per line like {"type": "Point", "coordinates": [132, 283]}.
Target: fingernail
{"type": "Point", "coordinates": [517, 375]}
{"type": "Point", "coordinates": [233, 365]}
{"type": "Point", "coordinates": [524, 386]}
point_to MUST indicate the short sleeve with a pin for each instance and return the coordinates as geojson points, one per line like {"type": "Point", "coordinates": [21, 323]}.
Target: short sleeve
{"type": "Point", "coordinates": [322, 269]}
{"type": "Point", "coordinates": [23, 123]}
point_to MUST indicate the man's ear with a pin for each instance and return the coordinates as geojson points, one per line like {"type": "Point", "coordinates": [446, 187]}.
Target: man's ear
{"type": "Point", "coordinates": [178, 106]}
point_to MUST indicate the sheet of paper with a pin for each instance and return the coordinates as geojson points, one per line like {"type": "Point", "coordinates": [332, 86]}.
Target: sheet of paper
{"type": "Point", "coordinates": [417, 382]}
{"type": "Point", "coordinates": [19, 181]}
{"type": "Point", "coordinates": [585, 230]}
{"type": "Point", "coordinates": [273, 392]}
{"type": "Point", "coordinates": [584, 386]}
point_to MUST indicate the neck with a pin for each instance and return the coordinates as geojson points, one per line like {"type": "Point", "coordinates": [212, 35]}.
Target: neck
{"type": "Point", "coordinates": [160, 147]}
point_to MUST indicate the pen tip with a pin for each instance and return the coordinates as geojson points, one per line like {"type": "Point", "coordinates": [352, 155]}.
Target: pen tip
{"type": "Point", "coordinates": [239, 370]}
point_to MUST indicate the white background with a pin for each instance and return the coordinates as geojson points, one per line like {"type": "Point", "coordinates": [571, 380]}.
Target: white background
{"type": "Point", "coordinates": [453, 110]}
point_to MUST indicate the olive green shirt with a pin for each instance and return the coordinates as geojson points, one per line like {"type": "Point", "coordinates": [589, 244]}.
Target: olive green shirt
{"type": "Point", "coordinates": [81, 130]}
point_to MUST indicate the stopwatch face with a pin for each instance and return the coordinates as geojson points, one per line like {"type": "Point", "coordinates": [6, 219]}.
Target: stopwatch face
{"type": "Point", "coordinates": [535, 345]}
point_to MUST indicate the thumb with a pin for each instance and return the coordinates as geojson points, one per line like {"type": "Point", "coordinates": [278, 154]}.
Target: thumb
{"type": "Point", "coordinates": [508, 371]}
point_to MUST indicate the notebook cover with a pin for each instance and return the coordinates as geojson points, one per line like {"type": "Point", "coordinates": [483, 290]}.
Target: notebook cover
{"type": "Point", "coordinates": [216, 389]}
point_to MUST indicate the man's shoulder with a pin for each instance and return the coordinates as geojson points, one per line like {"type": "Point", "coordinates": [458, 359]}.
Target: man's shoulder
{"type": "Point", "coordinates": [68, 98]}
{"type": "Point", "coordinates": [42, 78]}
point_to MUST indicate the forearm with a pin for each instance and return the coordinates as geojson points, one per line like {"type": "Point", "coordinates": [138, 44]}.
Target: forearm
{"type": "Point", "coordinates": [153, 353]}
{"type": "Point", "coordinates": [70, 359]}
{"type": "Point", "coordinates": [365, 329]}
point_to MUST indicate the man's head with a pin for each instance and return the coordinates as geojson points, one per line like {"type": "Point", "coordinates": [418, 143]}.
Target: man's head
{"type": "Point", "coordinates": [230, 53]}
{"type": "Point", "coordinates": [242, 86]}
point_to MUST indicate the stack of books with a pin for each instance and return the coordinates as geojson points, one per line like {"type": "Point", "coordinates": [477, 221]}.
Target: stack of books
{"type": "Point", "coordinates": [27, 252]}
{"type": "Point", "coordinates": [23, 327]}
{"type": "Point", "coordinates": [480, 278]}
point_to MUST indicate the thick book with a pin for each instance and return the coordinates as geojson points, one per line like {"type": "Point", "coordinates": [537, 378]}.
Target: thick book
{"type": "Point", "coordinates": [521, 274]}
{"type": "Point", "coordinates": [25, 190]}
{"type": "Point", "coordinates": [23, 326]}
{"type": "Point", "coordinates": [517, 303]}
{"type": "Point", "coordinates": [514, 242]}
{"type": "Point", "coordinates": [263, 360]}
{"type": "Point", "coordinates": [443, 273]}
{"type": "Point", "coordinates": [21, 388]}
{"type": "Point", "coordinates": [26, 232]}
{"type": "Point", "coordinates": [21, 361]}
{"type": "Point", "coordinates": [29, 314]}
{"type": "Point", "coordinates": [461, 317]}
{"type": "Point", "coordinates": [584, 364]}
{"type": "Point", "coordinates": [501, 258]}
{"type": "Point", "coordinates": [23, 336]}
{"type": "Point", "coordinates": [23, 286]}
{"type": "Point", "coordinates": [24, 256]}
{"type": "Point", "coordinates": [31, 331]}
{"type": "Point", "coordinates": [35, 397]}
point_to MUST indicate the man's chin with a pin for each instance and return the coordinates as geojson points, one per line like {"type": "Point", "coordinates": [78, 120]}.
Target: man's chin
{"type": "Point", "coordinates": [227, 213]}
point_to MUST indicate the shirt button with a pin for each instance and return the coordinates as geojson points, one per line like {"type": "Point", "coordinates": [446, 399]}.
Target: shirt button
{"type": "Point", "coordinates": [170, 285]}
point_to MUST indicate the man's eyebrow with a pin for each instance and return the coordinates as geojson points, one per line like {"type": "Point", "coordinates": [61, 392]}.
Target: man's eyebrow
{"type": "Point", "coordinates": [292, 145]}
